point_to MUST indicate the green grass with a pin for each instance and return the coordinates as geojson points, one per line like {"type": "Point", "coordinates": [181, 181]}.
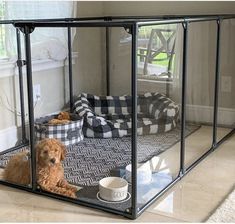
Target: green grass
{"type": "Point", "coordinates": [162, 62]}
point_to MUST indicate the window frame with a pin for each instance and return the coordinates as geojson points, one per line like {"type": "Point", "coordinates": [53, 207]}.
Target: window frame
{"type": "Point", "coordinates": [3, 51]}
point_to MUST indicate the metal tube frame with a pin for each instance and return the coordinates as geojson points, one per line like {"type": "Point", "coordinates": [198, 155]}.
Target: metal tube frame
{"type": "Point", "coordinates": [107, 61]}
{"type": "Point", "coordinates": [70, 69]}
{"type": "Point", "coordinates": [133, 23]}
{"type": "Point", "coordinates": [183, 98]}
{"type": "Point", "coordinates": [20, 64]}
{"type": "Point", "coordinates": [217, 77]}
{"type": "Point", "coordinates": [27, 31]}
{"type": "Point", "coordinates": [134, 190]}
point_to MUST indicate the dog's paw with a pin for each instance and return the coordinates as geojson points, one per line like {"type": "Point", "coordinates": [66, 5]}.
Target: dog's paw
{"type": "Point", "coordinates": [73, 188]}
{"type": "Point", "coordinates": [72, 195]}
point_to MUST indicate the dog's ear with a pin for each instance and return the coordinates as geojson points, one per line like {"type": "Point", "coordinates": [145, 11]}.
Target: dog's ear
{"type": "Point", "coordinates": [38, 149]}
{"type": "Point", "coordinates": [62, 151]}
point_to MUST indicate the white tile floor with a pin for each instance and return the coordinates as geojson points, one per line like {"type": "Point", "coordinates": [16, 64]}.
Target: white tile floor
{"type": "Point", "coordinates": [191, 200]}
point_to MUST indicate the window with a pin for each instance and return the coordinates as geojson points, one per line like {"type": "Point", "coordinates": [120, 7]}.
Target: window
{"type": "Point", "coordinates": [156, 51]}
{"type": "Point", "coordinates": [42, 37]}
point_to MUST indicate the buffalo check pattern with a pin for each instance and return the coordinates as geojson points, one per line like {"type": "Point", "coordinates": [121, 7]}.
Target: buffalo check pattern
{"type": "Point", "coordinates": [110, 116]}
{"type": "Point", "coordinates": [69, 133]}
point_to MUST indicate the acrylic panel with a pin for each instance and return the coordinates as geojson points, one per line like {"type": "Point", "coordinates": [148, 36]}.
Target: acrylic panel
{"type": "Point", "coordinates": [200, 89]}
{"type": "Point", "coordinates": [158, 113]}
{"type": "Point", "coordinates": [226, 116]}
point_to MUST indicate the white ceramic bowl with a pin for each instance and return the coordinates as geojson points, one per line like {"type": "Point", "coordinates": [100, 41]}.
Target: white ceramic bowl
{"type": "Point", "coordinates": [113, 188]}
{"type": "Point", "coordinates": [144, 173]}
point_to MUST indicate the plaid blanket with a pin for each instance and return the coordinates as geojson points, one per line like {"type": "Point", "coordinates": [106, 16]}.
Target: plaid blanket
{"type": "Point", "coordinates": [110, 116]}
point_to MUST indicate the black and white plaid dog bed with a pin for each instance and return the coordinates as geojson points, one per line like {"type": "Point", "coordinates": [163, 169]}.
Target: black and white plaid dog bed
{"type": "Point", "coordinates": [69, 133]}
{"type": "Point", "coordinates": [110, 116]}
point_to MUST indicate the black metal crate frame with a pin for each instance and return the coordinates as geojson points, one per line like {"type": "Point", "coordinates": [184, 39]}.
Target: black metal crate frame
{"type": "Point", "coordinates": [131, 24]}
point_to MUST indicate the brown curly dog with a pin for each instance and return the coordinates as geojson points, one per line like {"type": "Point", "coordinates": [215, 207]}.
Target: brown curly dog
{"type": "Point", "coordinates": [18, 169]}
{"type": "Point", "coordinates": [50, 172]}
{"type": "Point", "coordinates": [63, 118]}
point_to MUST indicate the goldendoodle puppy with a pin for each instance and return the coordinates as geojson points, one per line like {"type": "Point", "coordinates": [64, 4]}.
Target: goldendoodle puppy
{"type": "Point", "coordinates": [50, 172]}
{"type": "Point", "coordinates": [57, 121]}
{"type": "Point", "coordinates": [18, 169]}
{"type": "Point", "coordinates": [63, 118]}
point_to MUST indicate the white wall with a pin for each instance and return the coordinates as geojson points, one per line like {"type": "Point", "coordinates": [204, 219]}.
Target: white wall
{"type": "Point", "coordinates": [90, 66]}
{"type": "Point", "coordinates": [174, 8]}
{"type": "Point", "coordinates": [199, 93]}
{"type": "Point", "coordinates": [6, 92]}
{"type": "Point", "coordinates": [167, 7]}
{"type": "Point", "coordinates": [88, 71]}
{"type": "Point", "coordinates": [53, 94]}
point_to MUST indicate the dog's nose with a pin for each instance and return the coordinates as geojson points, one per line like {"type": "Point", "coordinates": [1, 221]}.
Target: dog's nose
{"type": "Point", "coordinates": [52, 160]}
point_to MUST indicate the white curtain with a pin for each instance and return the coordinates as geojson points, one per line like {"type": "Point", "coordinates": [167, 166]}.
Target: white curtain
{"type": "Point", "coordinates": [227, 92]}
{"type": "Point", "coordinates": [200, 66]}
{"type": "Point", "coordinates": [200, 60]}
{"type": "Point", "coordinates": [43, 39]}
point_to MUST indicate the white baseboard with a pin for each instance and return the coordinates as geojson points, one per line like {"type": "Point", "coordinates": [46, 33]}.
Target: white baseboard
{"type": "Point", "coordinates": [204, 114]}
{"type": "Point", "coordinates": [8, 138]}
